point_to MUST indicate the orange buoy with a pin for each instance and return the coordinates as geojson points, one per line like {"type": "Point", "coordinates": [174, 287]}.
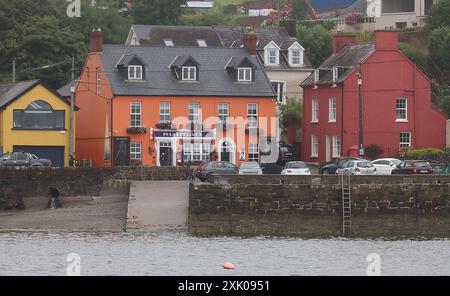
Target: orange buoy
{"type": "Point", "coordinates": [228, 265]}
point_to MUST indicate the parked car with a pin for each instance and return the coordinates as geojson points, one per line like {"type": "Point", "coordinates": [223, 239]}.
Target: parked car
{"type": "Point", "coordinates": [413, 167]}
{"type": "Point", "coordinates": [385, 166]}
{"type": "Point", "coordinates": [286, 154]}
{"type": "Point", "coordinates": [216, 168]}
{"type": "Point", "coordinates": [250, 168]}
{"type": "Point", "coordinates": [296, 168]}
{"type": "Point", "coordinates": [333, 167]}
{"type": "Point", "coordinates": [271, 168]}
{"type": "Point", "coordinates": [23, 159]}
{"type": "Point", "coordinates": [358, 167]}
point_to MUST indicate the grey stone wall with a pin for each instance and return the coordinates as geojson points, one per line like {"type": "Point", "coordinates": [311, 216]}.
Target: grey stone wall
{"type": "Point", "coordinates": [310, 206]}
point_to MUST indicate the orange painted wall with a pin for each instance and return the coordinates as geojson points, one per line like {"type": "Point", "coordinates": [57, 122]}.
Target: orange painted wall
{"type": "Point", "coordinates": [180, 108]}
{"type": "Point", "coordinates": [94, 113]}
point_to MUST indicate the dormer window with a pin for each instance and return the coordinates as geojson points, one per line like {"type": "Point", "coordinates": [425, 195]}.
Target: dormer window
{"type": "Point", "coordinates": [189, 73]}
{"type": "Point", "coordinates": [335, 74]}
{"type": "Point", "coordinates": [135, 72]}
{"type": "Point", "coordinates": [168, 42]}
{"type": "Point", "coordinates": [295, 53]}
{"type": "Point", "coordinates": [202, 43]}
{"type": "Point", "coordinates": [316, 76]}
{"type": "Point", "coordinates": [245, 74]}
{"type": "Point", "coordinates": [272, 54]}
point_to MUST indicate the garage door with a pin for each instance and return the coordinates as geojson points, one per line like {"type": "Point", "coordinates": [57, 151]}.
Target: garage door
{"type": "Point", "coordinates": [55, 154]}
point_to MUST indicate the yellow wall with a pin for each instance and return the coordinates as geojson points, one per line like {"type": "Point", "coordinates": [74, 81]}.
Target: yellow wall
{"type": "Point", "coordinates": [11, 137]}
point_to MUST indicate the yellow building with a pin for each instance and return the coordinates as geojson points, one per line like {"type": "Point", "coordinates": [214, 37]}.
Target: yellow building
{"type": "Point", "coordinates": [34, 119]}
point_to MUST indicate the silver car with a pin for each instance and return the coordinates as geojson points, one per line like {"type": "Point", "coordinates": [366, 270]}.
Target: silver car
{"type": "Point", "coordinates": [358, 167]}
{"type": "Point", "coordinates": [250, 168]}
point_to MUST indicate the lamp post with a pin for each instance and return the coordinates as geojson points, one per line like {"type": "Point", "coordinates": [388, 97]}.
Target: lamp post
{"type": "Point", "coordinates": [361, 133]}
{"type": "Point", "coordinates": [72, 105]}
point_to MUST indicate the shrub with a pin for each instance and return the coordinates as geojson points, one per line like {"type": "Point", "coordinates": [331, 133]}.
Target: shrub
{"type": "Point", "coordinates": [425, 154]}
{"type": "Point", "coordinates": [353, 18]}
{"type": "Point", "coordinates": [373, 151]}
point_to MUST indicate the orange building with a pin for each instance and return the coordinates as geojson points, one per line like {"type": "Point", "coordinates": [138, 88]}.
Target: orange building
{"type": "Point", "coordinates": [168, 106]}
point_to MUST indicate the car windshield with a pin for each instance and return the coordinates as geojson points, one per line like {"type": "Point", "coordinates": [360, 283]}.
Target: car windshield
{"type": "Point", "coordinates": [396, 161]}
{"type": "Point", "coordinates": [250, 165]}
{"type": "Point", "coordinates": [422, 164]}
{"type": "Point", "coordinates": [365, 164]}
{"type": "Point", "coordinates": [297, 165]}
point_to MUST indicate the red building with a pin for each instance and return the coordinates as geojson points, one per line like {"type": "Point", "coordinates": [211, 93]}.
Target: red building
{"type": "Point", "coordinates": [397, 112]}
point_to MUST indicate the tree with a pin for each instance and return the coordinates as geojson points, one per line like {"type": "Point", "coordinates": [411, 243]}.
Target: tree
{"type": "Point", "coordinates": [440, 47]}
{"type": "Point", "coordinates": [291, 113]}
{"type": "Point", "coordinates": [446, 105]}
{"type": "Point", "coordinates": [439, 15]}
{"type": "Point", "coordinates": [415, 55]}
{"type": "Point", "coordinates": [300, 9]}
{"type": "Point", "coordinates": [39, 41]}
{"type": "Point", "coordinates": [317, 41]}
{"type": "Point", "coordinates": [161, 12]}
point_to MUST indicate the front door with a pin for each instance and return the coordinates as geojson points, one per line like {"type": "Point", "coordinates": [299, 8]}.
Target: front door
{"type": "Point", "coordinates": [225, 152]}
{"type": "Point", "coordinates": [165, 154]}
{"type": "Point", "coordinates": [327, 148]}
{"type": "Point", "coordinates": [121, 149]}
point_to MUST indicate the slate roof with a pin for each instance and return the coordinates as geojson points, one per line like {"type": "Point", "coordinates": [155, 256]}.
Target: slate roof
{"type": "Point", "coordinates": [359, 6]}
{"type": "Point", "coordinates": [346, 59]}
{"type": "Point", "coordinates": [11, 90]}
{"type": "Point", "coordinates": [214, 79]}
{"type": "Point", "coordinates": [226, 36]}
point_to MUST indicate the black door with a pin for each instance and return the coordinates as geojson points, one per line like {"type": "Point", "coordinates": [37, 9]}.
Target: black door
{"type": "Point", "coordinates": [121, 150]}
{"type": "Point", "coordinates": [225, 152]}
{"type": "Point", "coordinates": [165, 156]}
{"type": "Point", "coordinates": [53, 153]}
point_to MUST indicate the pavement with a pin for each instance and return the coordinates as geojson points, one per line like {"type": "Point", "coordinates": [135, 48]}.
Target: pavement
{"type": "Point", "coordinates": [156, 204]}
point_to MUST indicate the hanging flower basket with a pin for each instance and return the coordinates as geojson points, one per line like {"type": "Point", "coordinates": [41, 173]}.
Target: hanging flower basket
{"type": "Point", "coordinates": [136, 130]}
{"type": "Point", "coordinates": [165, 126]}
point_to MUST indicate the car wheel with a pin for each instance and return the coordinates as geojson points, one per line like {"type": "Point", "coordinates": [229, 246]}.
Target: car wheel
{"type": "Point", "coordinates": [325, 172]}
{"type": "Point", "coordinates": [209, 178]}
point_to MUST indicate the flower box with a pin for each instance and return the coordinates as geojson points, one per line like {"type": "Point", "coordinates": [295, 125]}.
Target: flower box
{"type": "Point", "coordinates": [136, 130]}
{"type": "Point", "coordinates": [165, 126]}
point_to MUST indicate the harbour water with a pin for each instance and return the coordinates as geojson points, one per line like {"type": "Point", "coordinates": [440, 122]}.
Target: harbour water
{"type": "Point", "coordinates": [175, 252]}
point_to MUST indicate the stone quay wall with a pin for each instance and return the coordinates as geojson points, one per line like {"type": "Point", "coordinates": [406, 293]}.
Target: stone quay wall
{"type": "Point", "coordinates": [310, 206]}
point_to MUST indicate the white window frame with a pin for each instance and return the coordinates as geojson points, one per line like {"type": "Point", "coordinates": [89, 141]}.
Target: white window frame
{"type": "Point", "coordinates": [196, 151]}
{"type": "Point", "coordinates": [133, 73]}
{"type": "Point", "coordinates": [99, 76]}
{"type": "Point", "coordinates": [332, 110]}
{"type": "Point", "coordinates": [168, 42]}
{"type": "Point", "coordinates": [316, 76]}
{"type": "Point", "coordinates": [245, 74]}
{"type": "Point", "coordinates": [336, 146]}
{"type": "Point", "coordinates": [252, 115]}
{"type": "Point", "coordinates": [223, 112]}
{"type": "Point", "coordinates": [405, 144]}
{"type": "Point", "coordinates": [281, 96]}
{"type": "Point", "coordinates": [135, 117]}
{"type": "Point", "coordinates": [136, 151]}
{"type": "Point", "coordinates": [315, 110]}
{"type": "Point", "coordinates": [405, 109]}
{"type": "Point", "coordinates": [164, 112]}
{"type": "Point", "coordinates": [314, 146]}
{"type": "Point", "coordinates": [194, 116]}
{"type": "Point", "coordinates": [253, 152]}
{"type": "Point", "coordinates": [202, 43]}
{"type": "Point", "coordinates": [335, 74]}
{"type": "Point", "coordinates": [189, 73]}
{"type": "Point", "coordinates": [268, 50]}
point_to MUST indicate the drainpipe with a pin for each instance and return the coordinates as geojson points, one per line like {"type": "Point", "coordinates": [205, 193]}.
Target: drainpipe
{"type": "Point", "coordinates": [342, 119]}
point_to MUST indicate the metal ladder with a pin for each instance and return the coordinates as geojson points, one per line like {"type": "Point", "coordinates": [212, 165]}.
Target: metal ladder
{"type": "Point", "coordinates": [346, 201]}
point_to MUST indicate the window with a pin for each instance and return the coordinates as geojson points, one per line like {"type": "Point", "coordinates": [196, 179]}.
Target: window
{"type": "Point", "coordinates": [336, 146]}
{"type": "Point", "coordinates": [245, 74]}
{"type": "Point", "coordinates": [135, 112]}
{"type": "Point", "coordinates": [224, 112]}
{"type": "Point", "coordinates": [135, 72]}
{"type": "Point", "coordinates": [98, 80]}
{"type": "Point", "coordinates": [168, 42]}
{"type": "Point", "coordinates": [315, 110]}
{"type": "Point", "coordinates": [401, 110]}
{"type": "Point", "coordinates": [272, 55]}
{"type": "Point", "coordinates": [316, 76]}
{"type": "Point", "coordinates": [136, 153]}
{"type": "Point", "coordinates": [253, 152]}
{"type": "Point", "coordinates": [252, 115]}
{"type": "Point", "coordinates": [194, 112]}
{"type": "Point", "coordinates": [280, 89]}
{"type": "Point", "coordinates": [398, 6]}
{"type": "Point", "coordinates": [39, 115]}
{"type": "Point", "coordinates": [164, 112]}
{"type": "Point", "coordinates": [202, 43]}
{"type": "Point", "coordinates": [189, 73]}
{"type": "Point", "coordinates": [332, 110]}
{"type": "Point", "coordinates": [314, 146]}
{"type": "Point", "coordinates": [405, 140]}
{"type": "Point", "coordinates": [335, 74]}
{"type": "Point", "coordinates": [296, 57]}
{"type": "Point", "coordinates": [196, 152]}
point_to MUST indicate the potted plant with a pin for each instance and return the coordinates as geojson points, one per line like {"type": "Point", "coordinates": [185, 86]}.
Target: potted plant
{"type": "Point", "coordinates": [166, 125]}
{"type": "Point", "coordinates": [136, 130]}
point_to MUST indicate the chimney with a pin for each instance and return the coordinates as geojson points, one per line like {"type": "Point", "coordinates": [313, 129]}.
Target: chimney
{"type": "Point", "coordinates": [340, 40]}
{"type": "Point", "coordinates": [250, 40]}
{"type": "Point", "coordinates": [386, 40]}
{"type": "Point", "coordinates": [290, 26]}
{"type": "Point", "coordinates": [96, 44]}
